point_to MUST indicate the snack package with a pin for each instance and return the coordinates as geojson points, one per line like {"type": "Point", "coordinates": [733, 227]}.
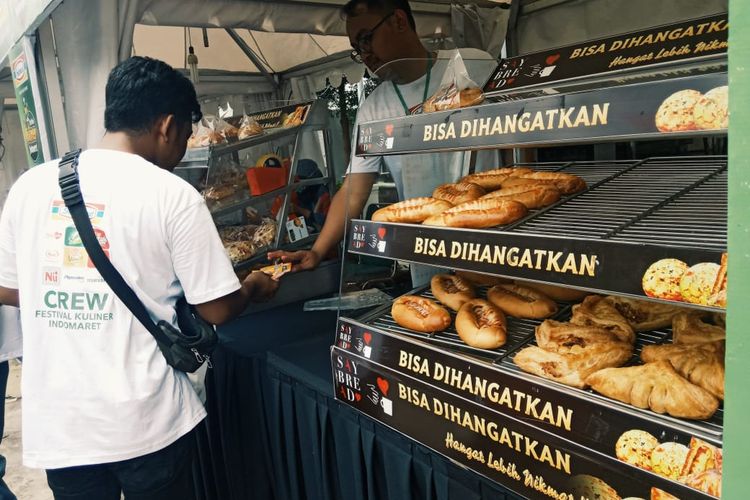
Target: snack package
{"type": "Point", "coordinates": [204, 135]}
{"type": "Point", "coordinates": [229, 131]}
{"type": "Point", "coordinates": [457, 89]}
{"type": "Point", "coordinates": [249, 128]}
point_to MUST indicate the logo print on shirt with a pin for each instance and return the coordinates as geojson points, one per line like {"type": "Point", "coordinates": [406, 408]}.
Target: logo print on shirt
{"type": "Point", "coordinates": [51, 276]}
{"type": "Point", "coordinates": [75, 254]}
{"type": "Point", "coordinates": [60, 212]}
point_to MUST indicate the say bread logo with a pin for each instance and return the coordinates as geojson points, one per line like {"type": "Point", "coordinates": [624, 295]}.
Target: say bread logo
{"type": "Point", "coordinates": [51, 275]}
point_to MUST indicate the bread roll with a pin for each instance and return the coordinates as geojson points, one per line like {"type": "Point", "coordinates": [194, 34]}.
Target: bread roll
{"type": "Point", "coordinates": [481, 324]}
{"type": "Point", "coordinates": [479, 214]}
{"type": "Point", "coordinates": [522, 302]}
{"type": "Point", "coordinates": [558, 293]}
{"type": "Point", "coordinates": [411, 211]}
{"type": "Point", "coordinates": [458, 193]}
{"type": "Point", "coordinates": [493, 179]}
{"type": "Point", "coordinates": [532, 195]}
{"type": "Point", "coordinates": [451, 290]}
{"type": "Point", "coordinates": [482, 279]}
{"type": "Point", "coordinates": [420, 314]}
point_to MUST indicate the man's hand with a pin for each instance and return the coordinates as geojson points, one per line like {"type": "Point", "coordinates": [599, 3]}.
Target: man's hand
{"type": "Point", "coordinates": [302, 260]}
{"type": "Point", "coordinates": [262, 286]}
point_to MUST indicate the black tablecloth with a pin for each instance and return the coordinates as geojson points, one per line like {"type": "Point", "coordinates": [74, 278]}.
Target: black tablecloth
{"type": "Point", "coordinates": [276, 432]}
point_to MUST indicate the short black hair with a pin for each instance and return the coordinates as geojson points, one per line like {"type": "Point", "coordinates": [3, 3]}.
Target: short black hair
{"type": "Point", "coordinates": [140, 90]}
{"type": "Point", "coordinates": [383, 6]}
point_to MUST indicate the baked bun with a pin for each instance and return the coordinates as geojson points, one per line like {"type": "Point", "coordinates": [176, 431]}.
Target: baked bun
{"type": "Point", "coordinates": [557, 293]}
{"type": "Point", "coordinates": [471, 97]}
{"type": "Point", "coordinates": [482, 279]}
{"type": "Point", "coordinates": [521, 302]}
{"type": "Point", "coordinates": [420, 314]}
{"type": "Point", "coordinates": [566, 183]}
{"type": "Point", "coordinates": [411, 211]}
{"type": "Point", "coordinates": [452, 291]}
{"type": "Point", "coordinates": [481, 324]}
{"type": "Point", "coordinates": [458, 193]}
{"type": "Point", "coordinates": [479, 214]}
{"type": "Point", "coordinates": [493, 179]}
{"type": "Point", "coordinates": [531, 195]}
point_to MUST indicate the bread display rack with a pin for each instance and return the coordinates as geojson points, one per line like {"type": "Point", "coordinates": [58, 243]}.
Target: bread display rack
{"type": "Point", "coordinates": [538, 437]}
{"type": "Point", "coordinates": [312, 127]}
{"type": "Point", "coordinates": [287, 138]}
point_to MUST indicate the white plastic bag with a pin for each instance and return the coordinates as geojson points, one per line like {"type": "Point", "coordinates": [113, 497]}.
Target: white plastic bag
{"type": "Point", "coordinates": [457, 89]}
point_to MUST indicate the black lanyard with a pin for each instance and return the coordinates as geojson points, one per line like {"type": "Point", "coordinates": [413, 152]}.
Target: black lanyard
{"type": "Point", "coordinates": [426, 86]}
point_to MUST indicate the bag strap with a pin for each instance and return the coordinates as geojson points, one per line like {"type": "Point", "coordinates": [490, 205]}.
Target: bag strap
{"type": "Point", "coordinates": [73, 198]}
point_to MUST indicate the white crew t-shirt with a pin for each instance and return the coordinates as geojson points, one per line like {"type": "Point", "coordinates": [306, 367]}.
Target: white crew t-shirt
{"type": "Point", "coordinates": [96, 387]}
{"type": "Point", "coordinates": [418, 174]}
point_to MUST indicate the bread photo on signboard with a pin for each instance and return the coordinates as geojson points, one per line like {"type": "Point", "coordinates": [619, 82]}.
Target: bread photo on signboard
{"type": "Point", "coordinates": [662, 279]}
{"type": "Point", "coordinates": [635, 447]}
{"type": "Point", "coordinates": [590, 487]}
{"type": "Point", "coordinates": [667, 459]}
{"type": "Point", "coordinates": [676, 113]}
{"type": "Point", "coordinates": [712, 109]}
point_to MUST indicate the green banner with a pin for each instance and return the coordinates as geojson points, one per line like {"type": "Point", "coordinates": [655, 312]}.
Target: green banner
{"type": "Point", "coordinates": [27, 111]}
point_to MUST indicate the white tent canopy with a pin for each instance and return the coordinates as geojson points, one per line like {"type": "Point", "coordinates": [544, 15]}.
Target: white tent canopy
{"type": "Point", "coordinates": [282, 34]}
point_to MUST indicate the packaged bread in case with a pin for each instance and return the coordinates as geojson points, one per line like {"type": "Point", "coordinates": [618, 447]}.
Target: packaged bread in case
{"type": "Point", "coordinates": [457, 89]}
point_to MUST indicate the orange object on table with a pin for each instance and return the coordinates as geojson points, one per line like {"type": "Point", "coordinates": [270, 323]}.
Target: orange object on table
{"type": "Point", "coordinates": [264, 179]}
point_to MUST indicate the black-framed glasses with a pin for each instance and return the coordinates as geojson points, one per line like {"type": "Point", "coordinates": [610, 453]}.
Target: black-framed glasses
{"type": "Point", "coordinates": [364, 40]}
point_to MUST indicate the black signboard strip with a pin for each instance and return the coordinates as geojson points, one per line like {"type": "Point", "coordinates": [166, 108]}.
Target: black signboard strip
{"type": "Point", "coordinates": [656, 49]}
{"type": "Point", "coordinates": [525, 459]}
{"type": "Point", "coordinates": [592, 264]}
{"type": "Point", "coordinates": [661, 109]}
{"type": "Point", "coordinates": [576, 415]}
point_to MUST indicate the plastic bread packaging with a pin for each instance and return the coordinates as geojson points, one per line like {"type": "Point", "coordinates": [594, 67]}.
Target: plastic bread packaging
{"type": "Point", "coordinates": [457, 89]}
{"type": "Point", "coordinates": [204, 135]}
{"type": "Point", "coordinates": [249, 128]}
{"type": "Point", "coordinates": [227, 130]}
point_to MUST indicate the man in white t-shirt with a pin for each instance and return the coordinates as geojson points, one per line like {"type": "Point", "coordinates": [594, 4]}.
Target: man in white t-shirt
{"type": "Point", "coordinates": [103, 413]}
{"type": "Point", "coordinates": [383, 36]}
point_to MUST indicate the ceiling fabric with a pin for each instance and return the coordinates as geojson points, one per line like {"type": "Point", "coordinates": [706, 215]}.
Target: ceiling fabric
{"type": "Point", "coordinates": [546, 24]}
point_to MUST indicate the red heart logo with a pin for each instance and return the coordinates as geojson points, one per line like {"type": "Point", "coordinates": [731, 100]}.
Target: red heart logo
{"type": "Point", "coordinates": [381, 232]}
{"type": "Point", "coordinates": [389, 129]}
{"type": "Point", "coordinates": [357, 396]}
{"type": "Point", "coordinates": [383, 384]}
{"type": "Point", "coordinates": [552, 59]}
{"type": "Point", "coordinates": [368, 337]}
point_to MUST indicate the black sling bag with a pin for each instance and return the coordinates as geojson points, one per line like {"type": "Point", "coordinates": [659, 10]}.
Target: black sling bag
{"type": "Point", "coordinates": [185, 349]}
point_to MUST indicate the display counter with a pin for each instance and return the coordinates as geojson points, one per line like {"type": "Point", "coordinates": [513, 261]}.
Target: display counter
{"type": "Point", "coordinates": [275, 430]}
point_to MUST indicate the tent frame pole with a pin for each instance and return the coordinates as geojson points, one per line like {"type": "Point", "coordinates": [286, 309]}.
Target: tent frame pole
{"type": "Point", "coordinates": [250, 53]}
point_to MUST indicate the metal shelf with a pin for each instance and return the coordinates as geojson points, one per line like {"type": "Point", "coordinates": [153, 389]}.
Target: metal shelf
{"type": "Point", "coordinates": [521, 334]}
{"type": "Point", "coordinates": [204, 154]}
{"type": "Point", "coordinates": [632, 215]}
{"type": "Point", "coordinates": [622, 113]}
{"type": "Point", "coordinates": [252, 200]}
